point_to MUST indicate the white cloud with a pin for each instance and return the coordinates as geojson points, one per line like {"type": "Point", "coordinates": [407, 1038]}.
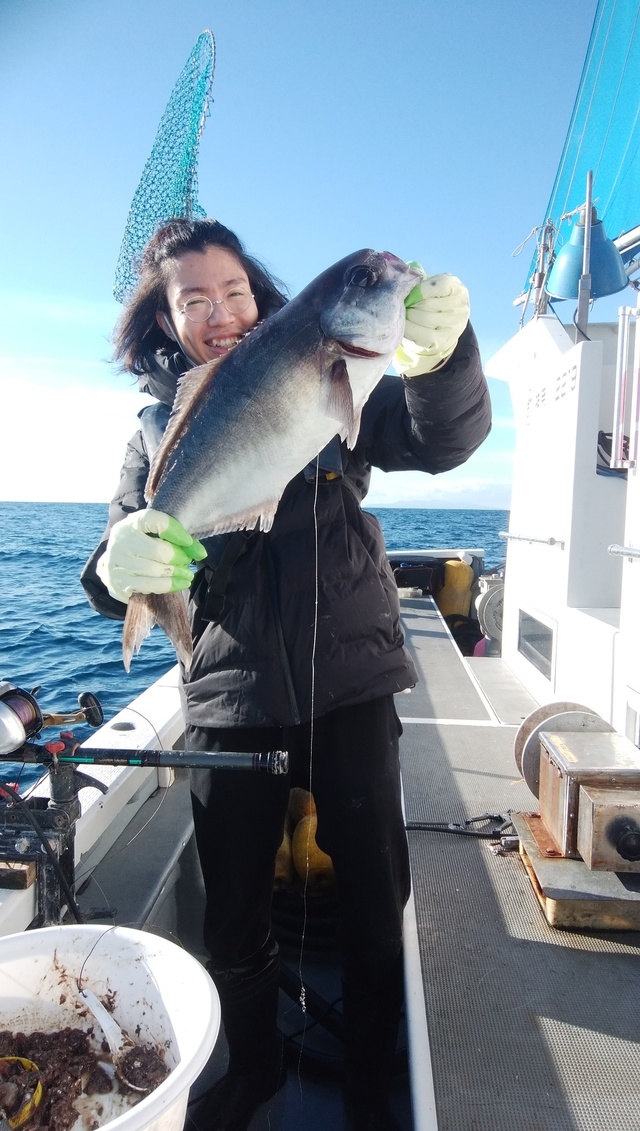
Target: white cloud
{"type": "Point", "coordinates": [66, 430]}
{"type": "Point", "coordinates": [415, 489]}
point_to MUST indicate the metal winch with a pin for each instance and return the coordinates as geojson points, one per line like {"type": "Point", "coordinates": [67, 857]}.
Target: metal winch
{"type": "Point", "coordinates": [586, 836]}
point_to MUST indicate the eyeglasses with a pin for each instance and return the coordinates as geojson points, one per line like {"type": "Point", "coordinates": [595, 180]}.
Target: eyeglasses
{"type": "Point", "coordinates": [200, 308]}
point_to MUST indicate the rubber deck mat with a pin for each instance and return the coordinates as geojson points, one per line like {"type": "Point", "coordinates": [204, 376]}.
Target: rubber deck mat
{"type": "Point", "coordinates": [448, 692]}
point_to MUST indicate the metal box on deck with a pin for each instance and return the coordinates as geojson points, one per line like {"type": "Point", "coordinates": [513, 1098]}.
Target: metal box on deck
{"type": "Point", "coordinates": [609, 828]}
{"type": "Point", "coordinates": [568, 761]}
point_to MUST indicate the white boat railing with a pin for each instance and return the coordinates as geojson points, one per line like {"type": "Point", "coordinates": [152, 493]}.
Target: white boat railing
{"type": "Point", "coordinates": [618, 459]}
{"type": "Point", "coordinates": [528, 538]}
{"type": "Point", "coordinates": [623, 551]}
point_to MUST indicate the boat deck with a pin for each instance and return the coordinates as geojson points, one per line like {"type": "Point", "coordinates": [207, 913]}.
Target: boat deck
{"type": "Point", "coordinates": [527, 1027]}
{"type": "Point", "coordinates": [530, 1027]}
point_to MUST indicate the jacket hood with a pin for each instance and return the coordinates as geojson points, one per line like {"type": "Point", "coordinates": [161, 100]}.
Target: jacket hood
{"type": "Point", "coordinates": [163, 368]}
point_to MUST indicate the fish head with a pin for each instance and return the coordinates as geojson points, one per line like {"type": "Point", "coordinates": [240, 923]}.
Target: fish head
{"type": "Point", "coordinates": [364, 311]}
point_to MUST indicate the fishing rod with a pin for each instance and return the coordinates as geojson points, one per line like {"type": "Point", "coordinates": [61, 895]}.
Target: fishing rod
{"type": "Point", "coordinates": [39, 833]}
{"type": "Point", "coordinates": [21, 719]}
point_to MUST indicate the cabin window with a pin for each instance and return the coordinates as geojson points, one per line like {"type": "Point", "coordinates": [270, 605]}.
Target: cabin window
{"type": "Point", "coordinates": [535, 643]}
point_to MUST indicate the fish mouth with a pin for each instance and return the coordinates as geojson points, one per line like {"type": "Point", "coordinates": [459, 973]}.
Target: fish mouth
{"type": "Point", "coordinates": [357, 351]}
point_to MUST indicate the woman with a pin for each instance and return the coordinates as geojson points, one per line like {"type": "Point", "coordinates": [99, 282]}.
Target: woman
{"type": "Point", "coordinates": [297, 646]}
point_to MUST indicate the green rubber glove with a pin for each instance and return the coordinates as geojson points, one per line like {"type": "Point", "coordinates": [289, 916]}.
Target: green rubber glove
{"type": "Point", "coordinates": [437, 311]}
{"type": "Point", "coordinates": [137, 562]}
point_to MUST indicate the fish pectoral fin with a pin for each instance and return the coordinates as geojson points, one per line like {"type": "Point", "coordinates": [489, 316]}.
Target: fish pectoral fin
{"type": "Point", "coordinates": [169, 610]}
{"type": "Point", "coordinates": [340, 402]}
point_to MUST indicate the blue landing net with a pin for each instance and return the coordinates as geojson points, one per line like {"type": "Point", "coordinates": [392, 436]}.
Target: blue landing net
{"type": "Point", "coordinates": [169, 184]}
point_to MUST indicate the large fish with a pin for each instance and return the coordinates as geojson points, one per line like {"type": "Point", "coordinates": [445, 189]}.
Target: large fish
{"type": "Point", "coordinates": [243, 426]}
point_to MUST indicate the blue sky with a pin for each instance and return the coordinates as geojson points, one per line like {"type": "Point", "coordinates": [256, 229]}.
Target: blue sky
{"type": "Point", "coordinates": [428, 128]}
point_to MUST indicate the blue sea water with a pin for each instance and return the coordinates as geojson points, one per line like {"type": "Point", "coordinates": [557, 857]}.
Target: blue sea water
{"type": "Point", "coordinates": [51, 638]}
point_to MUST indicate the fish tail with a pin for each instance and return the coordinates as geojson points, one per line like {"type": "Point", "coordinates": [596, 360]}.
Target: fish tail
{"type": "Point", "coordinates": [169, 610]}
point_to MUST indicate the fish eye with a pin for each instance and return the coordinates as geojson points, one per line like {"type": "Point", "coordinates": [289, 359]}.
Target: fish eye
{"type": "Point", "coordinates": [361, 276]}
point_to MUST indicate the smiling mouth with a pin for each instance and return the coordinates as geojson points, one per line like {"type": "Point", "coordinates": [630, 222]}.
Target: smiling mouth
{"type": "Point", "coordinates": [357, 351]}
{"type": "Point", "coordinates": [223, 343]}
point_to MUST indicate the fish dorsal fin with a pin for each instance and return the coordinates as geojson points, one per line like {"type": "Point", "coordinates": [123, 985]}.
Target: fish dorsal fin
{"type": "Point", "coordinates": [340, 401]}
{"type": "Point", "coordinates": [191, 388]}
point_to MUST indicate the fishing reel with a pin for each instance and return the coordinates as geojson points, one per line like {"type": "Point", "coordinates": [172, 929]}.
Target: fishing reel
{"type": "Point", "coordinates": [21, 717]}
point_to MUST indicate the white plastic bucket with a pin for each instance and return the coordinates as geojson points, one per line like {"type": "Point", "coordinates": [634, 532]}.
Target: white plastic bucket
{"type": "Point", "coordinates": [160, 993]}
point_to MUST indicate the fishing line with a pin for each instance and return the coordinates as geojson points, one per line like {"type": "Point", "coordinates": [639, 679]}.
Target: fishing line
{"type": "Point", "coordinates": [84, 875]}
{"type": "Point", "coordinates": [109, 912]}
{"type": "Point", "coordinates": [107, 931]}
{"type": "Point", "coordinates": [112, 854]}
{"type": "Point", "coordinates": [148, 821]}
{"type": "Point", "coordinates": [99, 939]}
{"type": "Point", "coordinates": [146, 720]}
{"type": "Point", "coordinates": [303, 995]}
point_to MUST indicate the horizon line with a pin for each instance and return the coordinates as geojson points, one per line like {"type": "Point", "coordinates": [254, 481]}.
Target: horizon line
{"type": "Point", "coordinates": [374, 506]}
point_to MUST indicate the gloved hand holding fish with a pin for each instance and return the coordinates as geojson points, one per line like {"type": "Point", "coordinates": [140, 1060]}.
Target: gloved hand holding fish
{"type": "Point", "coordinates": [437, 311]}
{"type": "Point", "coordinates": [134, 562]}
{"type": "Point", "coordinates": [244, 425]}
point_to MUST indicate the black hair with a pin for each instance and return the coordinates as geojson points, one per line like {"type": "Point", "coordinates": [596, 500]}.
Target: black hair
{"type": "Point", "coordinates": [137, 334]}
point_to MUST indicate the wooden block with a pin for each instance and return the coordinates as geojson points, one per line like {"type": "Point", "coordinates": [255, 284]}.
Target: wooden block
{"type": "Point", "coordinates": [17, 874]}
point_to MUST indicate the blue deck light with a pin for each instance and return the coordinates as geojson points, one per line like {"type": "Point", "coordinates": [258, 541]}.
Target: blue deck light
{"type": "Point", "coordinates": [606, 267]}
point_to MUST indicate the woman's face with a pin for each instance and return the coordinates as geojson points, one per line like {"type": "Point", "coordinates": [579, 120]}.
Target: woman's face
{"type": "Point", "coordinates": [213, 274]}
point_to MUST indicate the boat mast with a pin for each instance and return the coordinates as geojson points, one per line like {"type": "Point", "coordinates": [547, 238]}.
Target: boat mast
{"type": "Point", "coordinates": [584, 286]}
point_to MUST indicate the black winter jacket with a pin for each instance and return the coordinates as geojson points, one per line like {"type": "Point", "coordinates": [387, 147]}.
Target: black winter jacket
{"type": "Point", "coordinates": [262, 646]}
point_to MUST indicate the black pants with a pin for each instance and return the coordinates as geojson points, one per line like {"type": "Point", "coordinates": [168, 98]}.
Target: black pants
{"type": "Point", "coordinates": [353, 773]}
